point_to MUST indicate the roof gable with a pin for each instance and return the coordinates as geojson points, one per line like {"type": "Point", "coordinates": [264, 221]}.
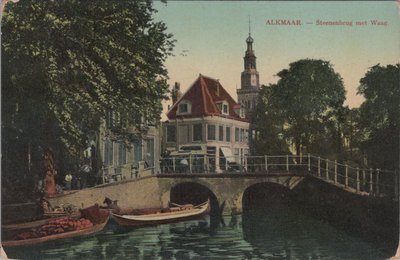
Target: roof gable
{"type": "Point", "coordinates": [204, 95]}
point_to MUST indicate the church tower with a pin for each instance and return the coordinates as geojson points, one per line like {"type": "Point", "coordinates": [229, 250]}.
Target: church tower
{"type": "Point", "coordinates": [250, 79]}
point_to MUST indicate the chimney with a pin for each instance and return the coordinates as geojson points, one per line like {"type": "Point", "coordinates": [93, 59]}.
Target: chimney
{"type": "Point", "coordinates": [176, 92]}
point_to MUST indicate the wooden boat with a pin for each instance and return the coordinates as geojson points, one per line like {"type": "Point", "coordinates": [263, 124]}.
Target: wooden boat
{"type": "Point", "coordinates": [93, 219]}
{"type": "Point", "coordinates": [39, 222]}
{"type": "Point", "coordinates": [173, 214]}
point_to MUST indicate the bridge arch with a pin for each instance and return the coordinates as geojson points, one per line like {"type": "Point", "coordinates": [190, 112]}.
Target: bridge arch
{"type": "Point", "coordinates": [189, 190]}
{"type": "Point", "coordinates": [263, 194]}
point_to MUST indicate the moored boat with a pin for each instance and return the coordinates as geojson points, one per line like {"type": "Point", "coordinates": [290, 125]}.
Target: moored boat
{"type": "Point", "coordinates": [93, 219]}
{"type": "Point", "coordinates": [173, 214]}
{"type": "Point", "coordinates": [38, 222]}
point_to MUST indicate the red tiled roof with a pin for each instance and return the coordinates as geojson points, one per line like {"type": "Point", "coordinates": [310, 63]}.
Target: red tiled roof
{"type": "Point", "coordinates": [204, 95]}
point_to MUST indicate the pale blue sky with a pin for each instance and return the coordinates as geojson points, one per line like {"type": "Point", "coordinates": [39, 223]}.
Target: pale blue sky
{"type": "Point", "coordinates": [214, 35]}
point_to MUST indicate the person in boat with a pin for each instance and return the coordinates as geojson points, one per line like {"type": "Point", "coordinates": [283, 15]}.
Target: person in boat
{"type": "Point", "coordinates": [111, 204]}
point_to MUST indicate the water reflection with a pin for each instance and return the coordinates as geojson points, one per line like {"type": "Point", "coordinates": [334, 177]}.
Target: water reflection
{"type": "Point", "coordinates": [276, 233]}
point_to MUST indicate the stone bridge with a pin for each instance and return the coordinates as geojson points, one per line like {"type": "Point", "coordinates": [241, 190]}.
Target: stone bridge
{"type": "Point", "coordinates": [156, 190]}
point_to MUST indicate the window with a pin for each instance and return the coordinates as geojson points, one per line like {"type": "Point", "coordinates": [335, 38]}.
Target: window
{"type": "Point", "coordinates": [171, 133]}
{"type": "Point", "coordinates": [225, 109]}
{"type": "Point", "coordinates": [150, 153]}
{"type": "Point", "coordinates": [108, 152]}
{"type": "Point", "coordinates": [197, 132]}
{"type": "Point", "coordinates": [221, 133]}
{"type": "Point", "coordinates": [211, 132]}
{"type": "Point", "coordinates": [137, 150]}
{"type": "Point", "coordinates": [236, 134]}
{"type": "Point", "coordinates": [228, 134]}
{"type": "Point", "coordinates": [121, 153]}
{"type": "Point", "coordinates": [184, 107]}
{"type": "Point", "coordinates": [241, 137]}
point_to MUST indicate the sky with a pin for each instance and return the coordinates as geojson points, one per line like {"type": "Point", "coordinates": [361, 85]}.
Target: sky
{"type": "Point", "coordinates": [211, 39]}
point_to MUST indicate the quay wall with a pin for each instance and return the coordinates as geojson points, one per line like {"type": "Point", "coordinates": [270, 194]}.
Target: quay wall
{"type": "Point", "coordinates": [139, 193]}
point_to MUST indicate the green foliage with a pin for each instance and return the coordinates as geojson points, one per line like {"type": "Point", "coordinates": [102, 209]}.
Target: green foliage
{"type": "Point", "coordinates": [66, 63]}
{"type": "Point", "coordinates": [269, 122]}
{"type": "Point", "coordinates": [380, 115]}
{"type": "Point", "coordinates": [307, 104]}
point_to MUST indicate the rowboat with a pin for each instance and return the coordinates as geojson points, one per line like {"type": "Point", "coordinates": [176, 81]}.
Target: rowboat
{"type": "Point", "coordinates": [173, 214]}
{"type": "Point", "coordinates": [38, 222]}
{"type": "Point", "coordinates": [93, 219]}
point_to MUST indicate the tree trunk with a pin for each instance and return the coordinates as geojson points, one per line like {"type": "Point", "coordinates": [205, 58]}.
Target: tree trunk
{"type": "Point", "coordinates": [49, 180]}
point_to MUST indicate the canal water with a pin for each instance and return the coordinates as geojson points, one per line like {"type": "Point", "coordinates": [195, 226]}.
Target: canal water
{"type": "Point", "coordinates": [276, 233]}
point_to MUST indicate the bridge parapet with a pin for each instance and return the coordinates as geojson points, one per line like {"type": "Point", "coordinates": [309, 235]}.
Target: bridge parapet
{"type": "Point", "coordinates": [371, 182]}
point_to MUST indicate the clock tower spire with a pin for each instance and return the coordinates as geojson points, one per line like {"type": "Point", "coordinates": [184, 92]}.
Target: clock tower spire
{"type": "Point", "coordinates": [250, 79]}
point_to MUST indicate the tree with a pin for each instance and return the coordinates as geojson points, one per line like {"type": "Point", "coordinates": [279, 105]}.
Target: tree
{"type": "Point", "coordinates": [66, 64]}
{"type": "Point", "coordinates": [380, 115]}
{"type": "Point", "coordinates": [309, 98]}
{"type": "Point", "coordinates": [268, 124]}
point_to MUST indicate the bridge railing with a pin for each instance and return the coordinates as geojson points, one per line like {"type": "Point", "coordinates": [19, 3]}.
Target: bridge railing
{"type": "Point", "coordinates": [233, 164]}
{"type": "Point", "coordinates": [370, 181]}
{"type": "Point", "coordinates": [374, 182]}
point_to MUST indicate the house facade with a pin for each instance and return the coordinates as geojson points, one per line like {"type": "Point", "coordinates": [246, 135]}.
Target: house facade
{"type": "Point", "coordinates": [120, 160]}
{"type": "Point", "coordinates": [206, 119]}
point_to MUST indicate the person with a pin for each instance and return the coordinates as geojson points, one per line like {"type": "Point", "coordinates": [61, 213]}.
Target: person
{"type": "Point", "coordinates": [85, 172]}
{"type": "Point", "coordinates": [68, 181]}
{"type": "Point", "coordinates": [50, 183]}
{"type": "Point", "coordinates": [184, 165]}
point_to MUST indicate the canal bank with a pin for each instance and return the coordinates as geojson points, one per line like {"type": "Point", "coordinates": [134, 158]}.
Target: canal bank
{"type": "Point", "coordinates": [372, 218]}
{"type": "Point", "coordinates": [363, 216]}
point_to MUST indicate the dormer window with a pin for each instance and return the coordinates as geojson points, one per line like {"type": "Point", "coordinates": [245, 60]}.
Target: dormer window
{"type": "Point", "coordinates": [184, 107]}
{"type": "Point", "coordinates": [225, 108]}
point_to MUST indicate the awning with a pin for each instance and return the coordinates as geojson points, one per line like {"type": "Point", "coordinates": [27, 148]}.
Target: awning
{"type": "Point", "coordinates": [227, 152]}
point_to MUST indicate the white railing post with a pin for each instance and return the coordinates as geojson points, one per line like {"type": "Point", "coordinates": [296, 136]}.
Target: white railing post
{"type": "Point", "coordinates": [358, 180]}
{"type": "Point", "coordinates": [245, 163]}
{"type": "Point", "coordinates": [327, 170]}
{"type": "Point", "coordinates": [377, 181]}
{"type": "Point", "coordinates": [309, 162]}
{"type": "Point", "coordinates": [335, 177]}
{"type": "Point", "coordinates": [173, 164]}
{"type": "Point", "coordinates": [266, 163]}
{"type": "Point", "coordinates": [346, 181]}
{"type": "Point", "coordinates": [287, 162]}
{"type": "Point", "coordinates": [370, 181]}
{"type": "Point", "coordinates": [319, 166]}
